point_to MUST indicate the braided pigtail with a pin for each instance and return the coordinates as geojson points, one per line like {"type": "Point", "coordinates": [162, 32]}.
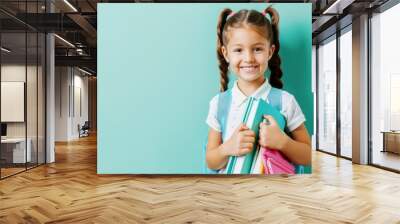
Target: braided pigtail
{"type": "Point", "coordinates": [223, 64]}
{"type": "Point", "coordinates": [275, 61]}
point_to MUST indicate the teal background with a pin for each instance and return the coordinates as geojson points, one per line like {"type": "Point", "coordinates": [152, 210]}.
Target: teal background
{"type": "Point", "coordinates": [157, 72]}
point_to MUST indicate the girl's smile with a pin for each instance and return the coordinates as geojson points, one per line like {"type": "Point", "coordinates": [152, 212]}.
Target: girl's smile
{"type": "Point", "coordinates": [250, 69]}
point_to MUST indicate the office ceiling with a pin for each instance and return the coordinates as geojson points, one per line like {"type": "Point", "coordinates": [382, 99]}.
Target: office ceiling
{"type": "Point", "coordinates": [76, 22]}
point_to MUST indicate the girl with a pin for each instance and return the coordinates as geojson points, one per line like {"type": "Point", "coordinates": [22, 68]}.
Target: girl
{"type": "Point", "coordinates": [248, 43]}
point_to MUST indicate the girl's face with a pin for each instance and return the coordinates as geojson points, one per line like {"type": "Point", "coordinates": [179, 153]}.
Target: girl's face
{"type": "Point", "coordinates": [247, 53]}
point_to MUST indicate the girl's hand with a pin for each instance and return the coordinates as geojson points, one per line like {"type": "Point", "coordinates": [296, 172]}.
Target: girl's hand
{"type": "Point", "coordinates": [271, 136]}
{"type": "Point", "coordinates": [241, 142]}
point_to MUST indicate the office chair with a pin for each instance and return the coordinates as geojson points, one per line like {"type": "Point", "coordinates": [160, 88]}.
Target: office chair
{"type": "Point", "coordinates": [84, 130]}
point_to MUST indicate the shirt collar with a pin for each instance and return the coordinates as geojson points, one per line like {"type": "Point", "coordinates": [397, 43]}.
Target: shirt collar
{"type": "Point", "coordinates": [238, 97]}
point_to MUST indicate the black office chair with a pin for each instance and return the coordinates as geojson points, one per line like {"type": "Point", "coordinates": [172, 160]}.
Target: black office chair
{"type": "Point", "coordinates": [84, 130]}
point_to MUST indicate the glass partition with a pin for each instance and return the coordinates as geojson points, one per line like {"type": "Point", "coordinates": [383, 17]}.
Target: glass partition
{"type": "Point", "coordinates": [22, 77]}
{"type": "Point", "coordinates": [31, 100]}
{"type": "Point", "coordinates": [14, 153]}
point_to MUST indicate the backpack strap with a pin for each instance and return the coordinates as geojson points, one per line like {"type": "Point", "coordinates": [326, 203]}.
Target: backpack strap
{"type": "Point", "coordinates": [275, 98]}
{"type": "Point", "coordinates": [224, 104]}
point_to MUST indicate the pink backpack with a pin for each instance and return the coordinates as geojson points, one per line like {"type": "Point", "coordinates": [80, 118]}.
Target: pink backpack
{"type": "Point", "coordinates": [275, 163]}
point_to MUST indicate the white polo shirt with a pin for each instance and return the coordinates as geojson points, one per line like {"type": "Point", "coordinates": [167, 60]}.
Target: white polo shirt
{"type": "Point", "coordinates": [290, 109]}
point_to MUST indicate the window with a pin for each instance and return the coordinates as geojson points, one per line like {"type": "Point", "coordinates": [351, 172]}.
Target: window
{"type": "Point", "coordinates": [385, 89]}
{"type": "Point", "coordinates": [327, 96]}
{"type": "Point", "coordinates": [346, 74]}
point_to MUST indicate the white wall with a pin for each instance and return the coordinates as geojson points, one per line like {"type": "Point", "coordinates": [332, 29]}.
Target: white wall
{"type": "Point", "coordinates": [61, 103]}
{"type": "Point", "coordinates": [71, 94]}
{"type": "Point", "coordinates": [9, 73]}
{"type": "Point", "coordinates": [79, 110]}
{"type": "Point", "coordinates": [15, 72]}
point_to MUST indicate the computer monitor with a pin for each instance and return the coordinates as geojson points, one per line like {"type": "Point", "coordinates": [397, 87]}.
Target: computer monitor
{"type": "Point", "coordinates": [3, 129]}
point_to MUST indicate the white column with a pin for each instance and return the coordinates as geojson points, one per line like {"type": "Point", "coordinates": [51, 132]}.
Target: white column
{"type": "Point", "coordinates": [360, 90]}
{"type": "Point", "coordinates": [50, 110]}
{"type": "Point", "coordinates": [50, 92]}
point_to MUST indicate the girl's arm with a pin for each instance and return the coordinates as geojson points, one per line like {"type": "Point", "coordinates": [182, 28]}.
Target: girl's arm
{"type": "Point", "coordinates": [215, 157]}
{"type": "Point", "coordinates": [297, 148]}
{"type": "Point", "coordinates": [218, 153]}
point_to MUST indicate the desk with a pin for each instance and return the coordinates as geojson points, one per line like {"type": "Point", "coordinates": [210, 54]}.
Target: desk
{"type": "Point", "coordinates": [391, 141]}
{"type": "Point", "coordinates": [15, 148]}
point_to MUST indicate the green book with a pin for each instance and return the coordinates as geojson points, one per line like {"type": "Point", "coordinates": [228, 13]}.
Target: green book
{"type": "Point", "coordinates": [253, 116]}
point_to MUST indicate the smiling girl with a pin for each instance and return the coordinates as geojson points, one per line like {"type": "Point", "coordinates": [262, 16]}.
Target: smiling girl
{"type": "Point", "coordinates": [247, 45]}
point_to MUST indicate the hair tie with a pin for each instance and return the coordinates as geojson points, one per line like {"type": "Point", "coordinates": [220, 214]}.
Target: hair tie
{"type": "Point", "coordinates": [264, 13]}
{"type": "Point", "coordinates": [230, 15]}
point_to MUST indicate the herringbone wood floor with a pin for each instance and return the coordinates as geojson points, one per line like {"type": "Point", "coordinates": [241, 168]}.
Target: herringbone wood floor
{"type": "Point", "coordinates": [70, 191]}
